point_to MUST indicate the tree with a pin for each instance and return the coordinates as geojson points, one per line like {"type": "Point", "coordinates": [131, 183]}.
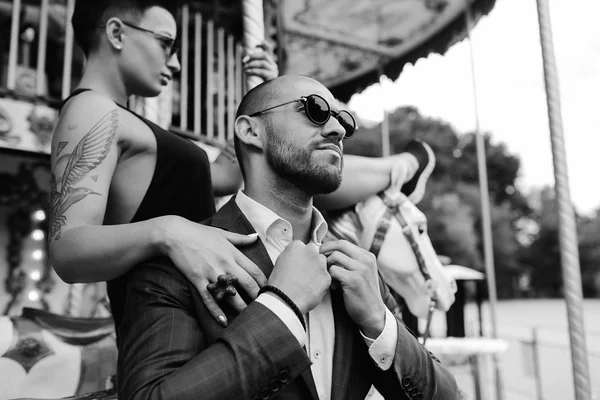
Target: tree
{"type": "Point", "coordinates": [456, 156]}
{"type": "Point", "coordinates": [544, 253]}
{"type": "Point", "coordinates": [451, 225]}
{"type": "Point", "coordinates": [525, 237]}
{"type": "Point", "coordinates": [589, 254]}
{"type": "Point", "coordinates": [452, 201]}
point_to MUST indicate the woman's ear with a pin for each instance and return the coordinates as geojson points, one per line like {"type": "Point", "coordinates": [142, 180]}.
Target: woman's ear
{"type": "Point", "coordinates": [250, 131]}
{"type": "Point", "coordinates": [114, 33]}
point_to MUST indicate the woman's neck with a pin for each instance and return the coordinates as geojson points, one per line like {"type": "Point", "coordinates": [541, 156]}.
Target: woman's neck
{"type": "Point", "coordinates": [103, 77]}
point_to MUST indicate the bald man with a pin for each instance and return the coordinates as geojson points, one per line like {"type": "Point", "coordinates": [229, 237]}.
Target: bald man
{"type": "Point", "coordinates": [322, 328]}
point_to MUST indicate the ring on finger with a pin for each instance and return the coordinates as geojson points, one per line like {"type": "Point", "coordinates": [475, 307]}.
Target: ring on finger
{"type": "Point", "coordinates": [225, 286]}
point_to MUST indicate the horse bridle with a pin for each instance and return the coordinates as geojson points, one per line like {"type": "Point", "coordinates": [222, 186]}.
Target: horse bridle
{"type": "Point", "coordinates": [393, 210]}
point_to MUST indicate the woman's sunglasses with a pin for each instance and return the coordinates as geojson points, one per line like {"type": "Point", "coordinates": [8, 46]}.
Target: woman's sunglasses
{"type": "Point", "coordinates": [167, 43]}
{"type": "Point", "coordinates": [318, 112]}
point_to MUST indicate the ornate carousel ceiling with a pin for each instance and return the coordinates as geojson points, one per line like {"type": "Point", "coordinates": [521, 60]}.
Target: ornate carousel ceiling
{"type": "Point", "coordinates": [347, 44]}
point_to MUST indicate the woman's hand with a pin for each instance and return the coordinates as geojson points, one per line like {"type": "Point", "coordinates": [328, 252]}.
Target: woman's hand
{"type": "Point", "coordinates": [260, 62]}
{"type": "Point", "coordinates": [202, 253]}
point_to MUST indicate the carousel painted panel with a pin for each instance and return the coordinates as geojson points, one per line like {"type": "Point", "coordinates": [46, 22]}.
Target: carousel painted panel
{"type": "Point", "coordinates": [44, 356]}
{"type": "Point", "coordinates": [26, 126]}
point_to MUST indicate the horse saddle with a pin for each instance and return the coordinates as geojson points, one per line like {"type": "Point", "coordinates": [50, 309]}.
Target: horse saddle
{"type": "Point", "coordinates": [72, 330]}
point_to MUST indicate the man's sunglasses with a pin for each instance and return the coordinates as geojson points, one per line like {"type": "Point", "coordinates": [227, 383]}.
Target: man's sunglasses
{"type": "Point", "coordinates": [168, 43]}
{"type": "Point", "coordinates": [318, 112]}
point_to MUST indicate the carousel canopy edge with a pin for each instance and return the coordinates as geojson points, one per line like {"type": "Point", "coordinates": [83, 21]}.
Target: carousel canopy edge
{"type": "Point", "coordinates": [348, 44]}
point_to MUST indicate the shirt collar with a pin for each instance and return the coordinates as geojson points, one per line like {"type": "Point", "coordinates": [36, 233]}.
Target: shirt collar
{"type": "Point", "coordinates": [262, 218]}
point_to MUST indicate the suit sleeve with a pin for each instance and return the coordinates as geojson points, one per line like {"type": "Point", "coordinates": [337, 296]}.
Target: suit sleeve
{"type": "Point", "coordinates": [163, 349]}
{"type": "Point", "coordinates": [415, 372]}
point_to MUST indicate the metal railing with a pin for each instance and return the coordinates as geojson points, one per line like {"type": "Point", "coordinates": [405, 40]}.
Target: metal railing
{"type": "Point", "coordinates": [203, 99]}
{"type": "Point", "coordinates": [533, 349]}
{"type": "Point", "coordinates": [536, 354]}
{"type": "Point", "coordinates": [211, 79]}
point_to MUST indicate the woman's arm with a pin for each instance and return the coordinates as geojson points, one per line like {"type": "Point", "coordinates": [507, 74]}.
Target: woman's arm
{"type": "Point", "coordinates": [86, 149]}
{"type": "Point", "coordinates": [365, 176]}
{"type": "Point", "coordinates": [225, 172]}
{"type": "Point", "coordinates": [362, 177]}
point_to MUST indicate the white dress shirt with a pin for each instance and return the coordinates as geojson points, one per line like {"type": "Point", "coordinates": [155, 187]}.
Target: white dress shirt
{"type": "Point", "coordinates": [276, 234]}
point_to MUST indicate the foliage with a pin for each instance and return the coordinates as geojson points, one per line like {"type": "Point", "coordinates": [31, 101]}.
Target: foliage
{"type": "Point", "coordinates": [456, 156]}
{"type": "Point", "coordinates": [544, 253]}
{"type": "Point", "coordinates": [451, 225]}
{"type": "Point", "coordinates": [589, 253]}
{"type": "Point", "coordinates": [525, 237]}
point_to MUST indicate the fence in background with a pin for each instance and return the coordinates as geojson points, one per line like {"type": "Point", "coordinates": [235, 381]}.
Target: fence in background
{"type": "Point", "coordinates": [43, 64]}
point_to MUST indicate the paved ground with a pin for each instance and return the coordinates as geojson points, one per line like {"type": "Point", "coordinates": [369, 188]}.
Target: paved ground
{"type": "Point", "coordinates": [516, 321]}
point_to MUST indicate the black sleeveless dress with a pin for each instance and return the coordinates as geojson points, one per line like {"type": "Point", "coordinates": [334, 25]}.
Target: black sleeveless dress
{"type": "Point", "coordinates": [181, 185]}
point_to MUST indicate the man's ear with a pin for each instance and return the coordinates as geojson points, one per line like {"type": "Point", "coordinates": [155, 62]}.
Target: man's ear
{"type": "Point", "coordinates": [114, 33]}
{"type": "Point", "coordinates": [250, 131]}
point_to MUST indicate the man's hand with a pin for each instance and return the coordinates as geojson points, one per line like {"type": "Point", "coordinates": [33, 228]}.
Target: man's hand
{"type": "Point", "coordinates": [202, 253]}
{"type": "Point", "coordinates": [356, 271]}
{"type": "Point", "coordinates": [260, 62]}
{"type": "Point", "coordinates": [301, 273]}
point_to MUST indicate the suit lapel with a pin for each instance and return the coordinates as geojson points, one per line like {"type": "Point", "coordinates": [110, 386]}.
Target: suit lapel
{"type": "Point", "coordinates": [231, 218]}
{"type": "Point", "coordinates": [344, 344]}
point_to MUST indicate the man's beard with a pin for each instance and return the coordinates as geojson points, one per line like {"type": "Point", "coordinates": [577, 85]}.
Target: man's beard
{"type": "Point", "coordinates": [295, 165]}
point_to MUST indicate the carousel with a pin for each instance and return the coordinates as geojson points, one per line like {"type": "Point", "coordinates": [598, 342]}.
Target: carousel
{"type": "Point", "coordinates": [57, 340]}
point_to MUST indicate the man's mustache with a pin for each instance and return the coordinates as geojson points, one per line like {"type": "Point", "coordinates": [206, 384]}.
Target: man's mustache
{"type": "Point", "coordinates": [329, 142]}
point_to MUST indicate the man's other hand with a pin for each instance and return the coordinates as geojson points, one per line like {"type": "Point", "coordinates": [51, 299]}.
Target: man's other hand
{"type": "Point", "coordinates": [356, 271]}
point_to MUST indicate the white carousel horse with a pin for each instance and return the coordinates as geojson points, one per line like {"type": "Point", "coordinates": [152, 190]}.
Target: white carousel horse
{"type": "Point", "coordinates": [395, 230]}
{"type": "Point", "coordinates": [45, 355]}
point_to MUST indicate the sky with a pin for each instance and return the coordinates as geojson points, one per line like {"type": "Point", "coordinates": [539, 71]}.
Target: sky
{"type": "Point", "coordinates": [510, 90]}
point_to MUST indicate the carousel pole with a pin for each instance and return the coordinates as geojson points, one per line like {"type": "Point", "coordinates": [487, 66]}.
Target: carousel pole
{"type": "Point", "coordinates": [68, 58]}
{"type": "Point", "coordinates": [486, 220]}
{"type": "Point", "coordinates": [385, 134]}
{"type": "Point", "coordinates": [254, 32]}
{"type": "Point", "coordinates": [385, 123]}
{"type": "Point", "coordinates": [569, 252]}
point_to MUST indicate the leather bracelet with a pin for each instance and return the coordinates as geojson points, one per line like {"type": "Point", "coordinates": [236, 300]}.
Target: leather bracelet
{"type": "Point", "coordinates": [286, 299]}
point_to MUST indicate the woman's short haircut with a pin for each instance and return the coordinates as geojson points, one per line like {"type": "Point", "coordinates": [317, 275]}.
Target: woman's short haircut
{"type": "Point", "coordinates": [90, 16]}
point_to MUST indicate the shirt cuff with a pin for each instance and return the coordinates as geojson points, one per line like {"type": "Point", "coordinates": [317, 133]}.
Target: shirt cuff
{"type": "Point", "coordinates": [383, 349]}
{"type": "Point", "coordinates": [287, 316]}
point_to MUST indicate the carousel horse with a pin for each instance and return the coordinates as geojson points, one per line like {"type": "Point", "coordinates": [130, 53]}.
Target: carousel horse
{"type": "Point", "coordinates": [46, 355]}
{"type": "Point", "coordinates": [395, 231]}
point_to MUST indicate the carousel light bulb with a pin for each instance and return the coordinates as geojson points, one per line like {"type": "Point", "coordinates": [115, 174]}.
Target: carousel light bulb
{"type": "Point", "coordinates": [38, 235]}
{"type": "Point", "coordinates": [37, 255]}
{"type": "Point", "coordinates": [35, 275]}
{"type": "Point", "coordinates": [39, 215]}
{"type": "Point", "coordinates": [34, 295]}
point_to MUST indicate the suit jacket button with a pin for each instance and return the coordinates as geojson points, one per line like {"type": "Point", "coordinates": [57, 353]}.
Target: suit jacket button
{"type": "Point", "coordinates": [265, 394]}
{"type": "Point", "coordinates": [406, 382]}
{"type": "Point", "coordinates": [284, 376]}
{"type": "Point", "coordinates": [274, 385]}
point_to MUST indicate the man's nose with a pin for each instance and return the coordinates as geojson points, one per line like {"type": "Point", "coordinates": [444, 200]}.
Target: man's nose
{"type": "Point", "coordinates": [173, 64]}
{"type": "Point", "coordinates": [333, 129]}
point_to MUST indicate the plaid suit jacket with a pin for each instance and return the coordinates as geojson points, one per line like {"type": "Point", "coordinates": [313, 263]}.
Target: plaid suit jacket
{"type": "Point", "coordinates": [171, 347]}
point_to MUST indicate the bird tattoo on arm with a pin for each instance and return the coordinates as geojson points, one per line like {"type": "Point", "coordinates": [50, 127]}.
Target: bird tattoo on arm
{"type": "Point", "coordinates": [70, 168]}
